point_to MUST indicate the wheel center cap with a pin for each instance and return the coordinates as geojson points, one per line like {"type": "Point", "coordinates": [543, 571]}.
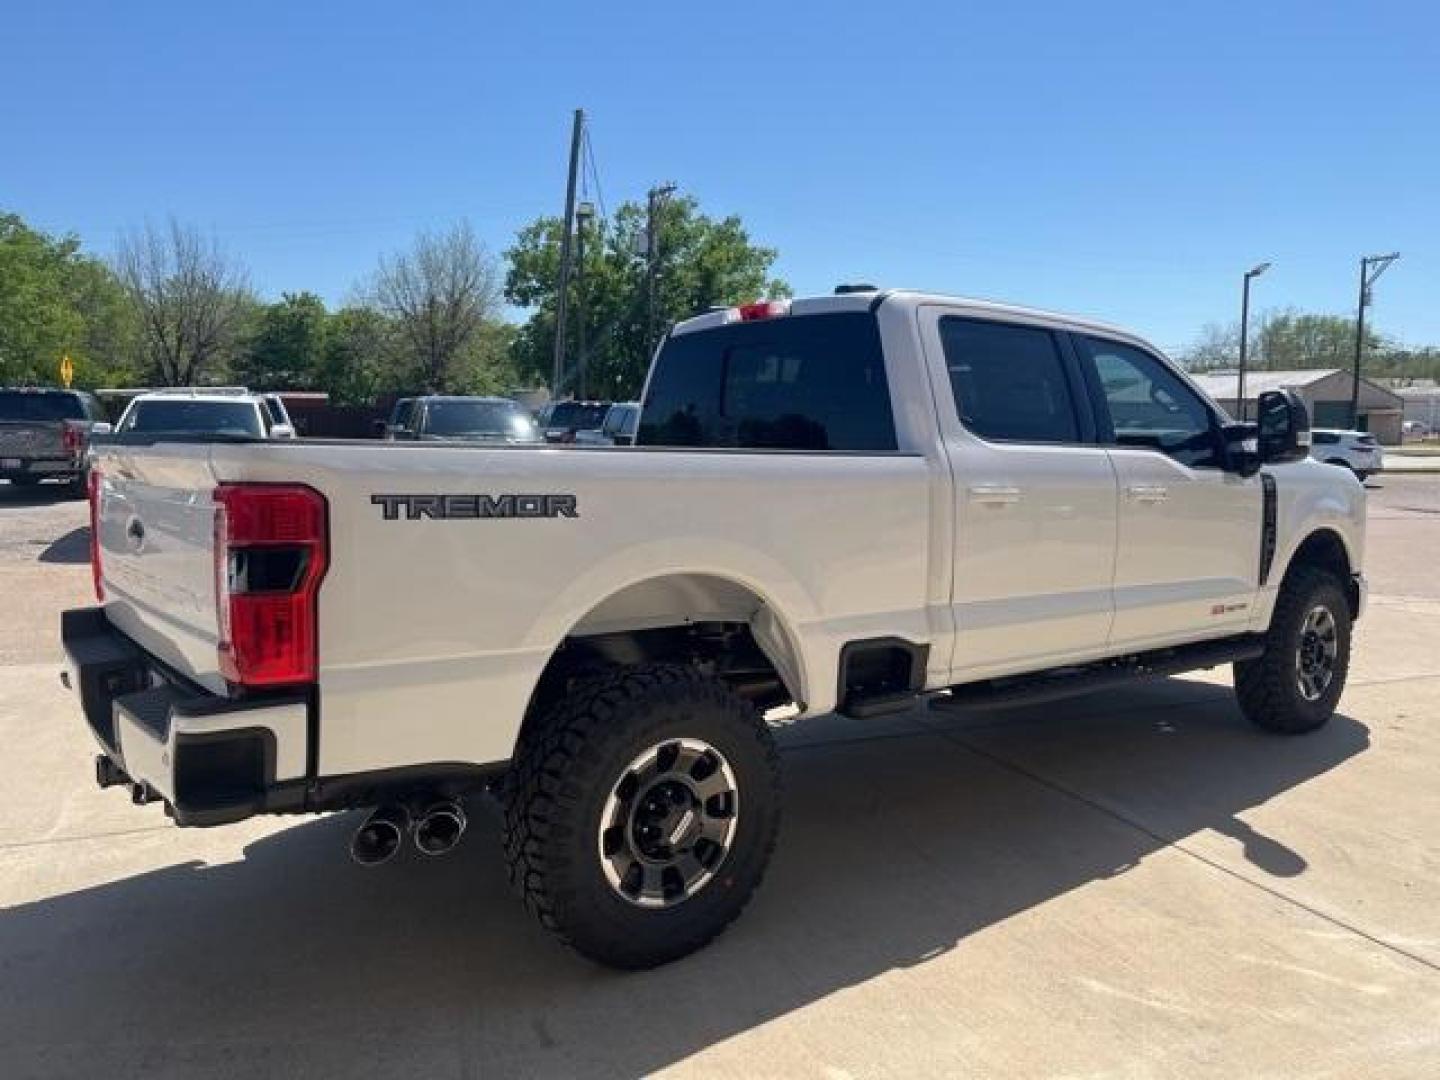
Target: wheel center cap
{"type": "Point", "coordinates": [680, 827]}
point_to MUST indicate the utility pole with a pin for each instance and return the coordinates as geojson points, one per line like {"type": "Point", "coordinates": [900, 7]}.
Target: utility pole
{"type": "Point", "coordinates": [583, 213]}
{"type": "Point", "coordinates": [653, 206]}
{"type": "Point", "coordinates": [1368, 277]}
{"type": "Point", "coordinates": [1245, 332]}
{"type": "Point", "coordinates": [561, 300]}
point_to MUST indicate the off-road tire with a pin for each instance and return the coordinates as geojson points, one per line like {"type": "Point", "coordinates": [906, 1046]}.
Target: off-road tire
{"type": "Point", "coordinates": [557, 793]}
{"type": "Point", "coordinates": [1268, 687]}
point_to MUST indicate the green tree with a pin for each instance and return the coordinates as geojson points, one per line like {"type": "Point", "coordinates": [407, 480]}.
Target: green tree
{"type": "Point", "coordinates": [1286, 340]}
{"type": "Point", "coordinates": [1290, 339]}
{"type": "Point", "coordinates": [288, 346]}
{"type": "Point", "coordinates": [1216, 349]}
{"type": "Point", "coordinates": [56, 301]}
{"type": "Point", "coordinates": [702, 261]}
{"type": "Point", "coordinates": [192, 301]}
{"type": "Point", "coordinates": [361, 358]}
{"type": "Point", "coordinates": [442, 299]}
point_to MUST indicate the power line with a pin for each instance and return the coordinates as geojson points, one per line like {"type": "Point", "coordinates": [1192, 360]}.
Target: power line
{"type": "Point", "coordinates": [595, 173]}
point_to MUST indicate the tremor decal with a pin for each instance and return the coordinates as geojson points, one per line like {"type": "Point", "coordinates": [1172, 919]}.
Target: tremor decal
{"type": "Point", "coordinates": [447, 507]}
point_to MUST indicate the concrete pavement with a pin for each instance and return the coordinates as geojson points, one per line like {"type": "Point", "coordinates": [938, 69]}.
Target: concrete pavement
{"type": "Point", "coordinates": [1133, 885]}
{"type": "Point", "coordinates": [1401, 462]}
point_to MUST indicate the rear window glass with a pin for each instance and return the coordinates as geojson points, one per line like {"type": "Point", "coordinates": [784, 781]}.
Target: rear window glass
{"type": "Point", "coordinates": [815, 382]}
{"type": "Point", "coordinates": [40, 408]}
{"type": "Point", "coordinates": [458, 416]}
{"type": "Point", "coordinates": [194, 417]}
{"type": "Point", "coordinates": [577, 415]}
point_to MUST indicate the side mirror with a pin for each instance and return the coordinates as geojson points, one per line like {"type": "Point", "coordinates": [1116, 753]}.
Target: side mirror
{"type": "Point", "coordinates": [1283, 427]}
{"type": "Point", "coordinates": [100, 428]}
{"type": "Point", "coordinates": [1241, 454]}
{"type": "Point", "coordinates": [282, 431]}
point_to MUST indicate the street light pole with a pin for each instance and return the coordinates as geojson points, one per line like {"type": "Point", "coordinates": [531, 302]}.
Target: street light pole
{"type": "Point", "coordinates": [1245, 331]}
{"type": "Point", "coordinates": [1368, 277]}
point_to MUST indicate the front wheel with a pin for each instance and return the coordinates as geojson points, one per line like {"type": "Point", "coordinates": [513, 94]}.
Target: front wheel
{"type": "Point", "coordinates": [1296, 684]}
{"type": "Point", "coordinates": [641, 815]}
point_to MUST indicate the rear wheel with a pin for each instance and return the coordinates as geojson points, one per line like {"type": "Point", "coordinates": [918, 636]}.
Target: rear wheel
{"type": "Point", "coordinates": [642, 813]}
{"type": "Point", "coordinates": [1294, 687]}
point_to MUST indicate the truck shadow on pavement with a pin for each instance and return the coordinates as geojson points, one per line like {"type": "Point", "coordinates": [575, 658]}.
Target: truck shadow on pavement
{"type": "Point", "coordinates": [895, 847]}
{"type": "Point", "coordinates": [73, 547]}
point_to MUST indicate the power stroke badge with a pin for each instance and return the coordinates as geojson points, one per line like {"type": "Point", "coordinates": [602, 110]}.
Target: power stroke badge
{"type": "Point", "coordinates": [446, 507]}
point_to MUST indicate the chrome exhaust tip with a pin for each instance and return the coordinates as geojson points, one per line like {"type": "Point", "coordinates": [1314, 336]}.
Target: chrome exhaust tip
{"type": "Point", "coordinates": [439, 828]}
{"type": "Point", "coordinates": [379, 838]}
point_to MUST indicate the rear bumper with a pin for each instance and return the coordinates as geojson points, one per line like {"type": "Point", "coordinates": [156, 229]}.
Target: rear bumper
{"type": "Point", "coordinates": [211, 759]}
{"type": "Point", "coordinates": [214, 760]}
{"type": "Point", "coordinates": [41, 469]}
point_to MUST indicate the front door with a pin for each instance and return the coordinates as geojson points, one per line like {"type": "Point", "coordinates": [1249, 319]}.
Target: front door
{"type": "Point", "coordinates": [1188, 558]}
{"type": "Point", "coordinates": [1035, 507]}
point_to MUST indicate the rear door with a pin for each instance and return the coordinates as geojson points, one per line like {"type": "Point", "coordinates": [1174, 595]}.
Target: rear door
{"type": "Point", "coordinates": [1034, 497]}
{"type": "Point", "coordinates": [1188, 557]}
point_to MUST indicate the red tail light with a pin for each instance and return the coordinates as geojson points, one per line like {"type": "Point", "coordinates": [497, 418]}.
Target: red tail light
{"type": "Point", "coordinates": [92, 485]}
{"type": "Point", "coordinates": [71, 440]}
{"type": "Point", "coordinates": [271, 553]}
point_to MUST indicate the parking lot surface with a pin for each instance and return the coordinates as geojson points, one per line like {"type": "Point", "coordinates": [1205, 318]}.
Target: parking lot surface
{"type": "Point", "coordinates": [1133, 884]}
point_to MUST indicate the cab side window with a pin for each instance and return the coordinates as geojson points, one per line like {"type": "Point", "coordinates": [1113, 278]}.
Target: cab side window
{"type": "Point", "coordinates": [1147, 405]}
{"type": "Point", "coordinates": [1009, 381]}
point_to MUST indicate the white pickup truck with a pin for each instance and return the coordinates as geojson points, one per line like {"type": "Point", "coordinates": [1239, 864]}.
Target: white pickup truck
{"type": "Point", "coordinates": [842, 503]}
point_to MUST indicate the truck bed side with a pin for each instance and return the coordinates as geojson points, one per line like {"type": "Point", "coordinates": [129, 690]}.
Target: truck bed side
{"type": "Point", "coordinates": [436, 623]}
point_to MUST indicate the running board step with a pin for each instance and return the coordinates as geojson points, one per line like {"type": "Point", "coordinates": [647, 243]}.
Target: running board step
{"type": "Point", "coordinates": [1068, 682]}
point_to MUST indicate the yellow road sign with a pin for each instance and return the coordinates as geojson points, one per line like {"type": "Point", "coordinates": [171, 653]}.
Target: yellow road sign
{"type": "Point", "coordinates": [67, 371]}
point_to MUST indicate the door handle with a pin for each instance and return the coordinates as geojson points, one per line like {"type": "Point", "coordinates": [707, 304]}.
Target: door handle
{"type": "Point", "coordinates": [1147, 493]}
{"type": "Point", "coordinates": [994, 494]}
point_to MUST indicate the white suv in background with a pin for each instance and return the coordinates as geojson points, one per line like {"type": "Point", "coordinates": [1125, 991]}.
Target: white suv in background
{"type": "Point", "coordinates": [1358, 451]}
{"type": "Point", "coordinates": [207, 410]}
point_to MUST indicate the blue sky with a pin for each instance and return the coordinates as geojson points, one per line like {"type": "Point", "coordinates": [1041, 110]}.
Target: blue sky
{"type": "Point", "coordinates": [1121, 160]}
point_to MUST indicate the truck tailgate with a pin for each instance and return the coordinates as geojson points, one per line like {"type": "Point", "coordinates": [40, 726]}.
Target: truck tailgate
{"type": "Point", "coordinates": [156, 518]}
{"type": "Point", "coordinates": [31, 439]}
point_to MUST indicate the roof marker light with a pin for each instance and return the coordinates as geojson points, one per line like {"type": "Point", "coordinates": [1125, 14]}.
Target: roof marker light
{"type": "Point", "coordinates": [763, 309]}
